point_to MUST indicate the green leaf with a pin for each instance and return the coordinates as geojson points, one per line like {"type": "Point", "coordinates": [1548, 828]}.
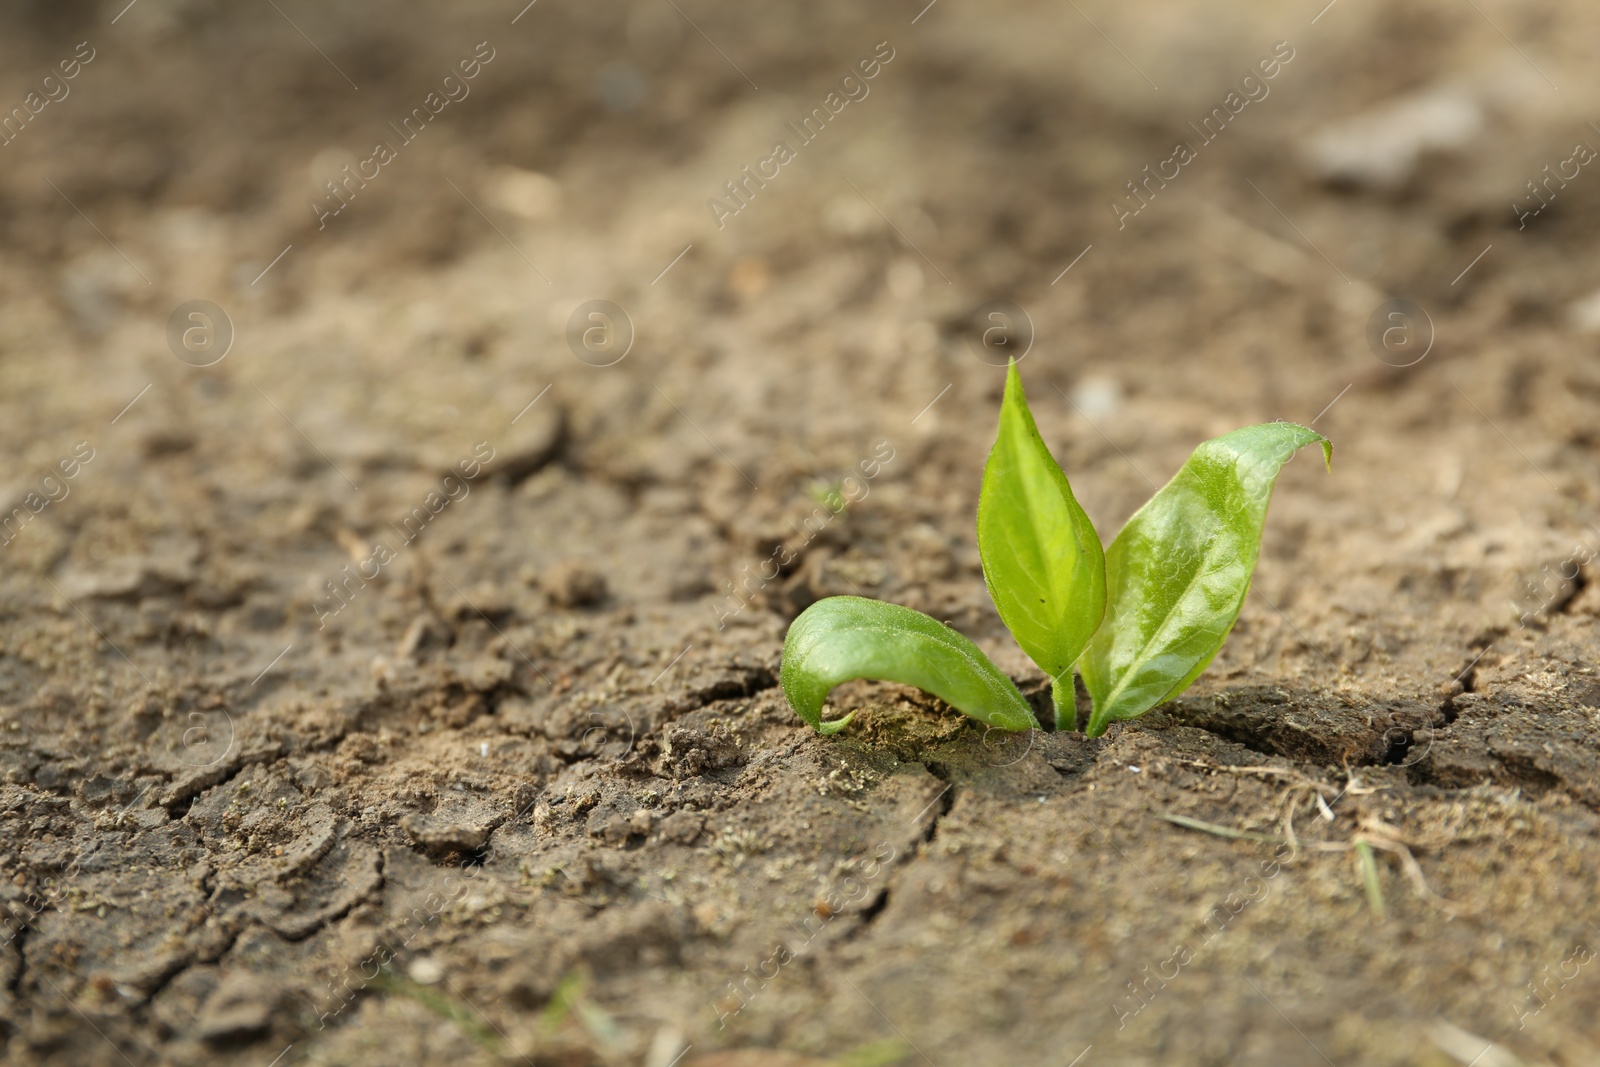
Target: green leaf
{"type": "Point", "coordinates": [1177, 574]}
{"type": "Point", "coordinates": [1041, 556]}
{"type": "Point", "coordinates": [847, 637]}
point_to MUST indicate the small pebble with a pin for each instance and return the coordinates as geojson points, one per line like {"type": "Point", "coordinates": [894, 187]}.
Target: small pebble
{"type": "Point", "coordinates": [425, 970]}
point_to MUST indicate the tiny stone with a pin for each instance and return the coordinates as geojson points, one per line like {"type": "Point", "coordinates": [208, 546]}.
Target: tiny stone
{"type": "Point", "coordinates": [425, 970]}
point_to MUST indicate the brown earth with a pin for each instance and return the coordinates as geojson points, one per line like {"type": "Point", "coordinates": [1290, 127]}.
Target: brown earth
{"type": "Point", "coordinates": [526, 792]}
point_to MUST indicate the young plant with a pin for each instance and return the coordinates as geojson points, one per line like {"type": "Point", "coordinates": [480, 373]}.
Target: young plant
{"type": "Point", "coordinates": [1140, 621]}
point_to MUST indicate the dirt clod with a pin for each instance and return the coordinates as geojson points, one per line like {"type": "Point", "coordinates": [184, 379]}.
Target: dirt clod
{"type": "Point", "coordinates": [241, 1006]}
{"type": "Point", "coordinates": [574, 583]}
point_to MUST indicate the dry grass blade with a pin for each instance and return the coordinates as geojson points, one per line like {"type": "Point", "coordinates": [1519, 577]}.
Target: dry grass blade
{"type": "Point", "coordinates": [1368, 867]}
{"type": "Point", "coordinates": [1219, 831]}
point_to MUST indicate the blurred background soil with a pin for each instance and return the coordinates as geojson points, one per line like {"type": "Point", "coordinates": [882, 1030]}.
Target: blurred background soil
{"type": "Point", "coordinates": [388, 676]}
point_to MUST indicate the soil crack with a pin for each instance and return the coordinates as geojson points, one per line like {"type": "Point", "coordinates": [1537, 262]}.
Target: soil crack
{"type": "Point", "coordinates": [745, 682]}
{"type": "Point", "coordinates": [941, 804]}
{"type": "Point", "coordinates": [939, 807]}
{"type": "Point", "coordinates": [875, 908]}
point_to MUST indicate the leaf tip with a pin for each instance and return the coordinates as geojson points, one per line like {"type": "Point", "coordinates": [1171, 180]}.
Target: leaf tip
{"type": "Point", "coordinates": [828, 729]}
{"type": "Point", "coordinates": [1013, 378]}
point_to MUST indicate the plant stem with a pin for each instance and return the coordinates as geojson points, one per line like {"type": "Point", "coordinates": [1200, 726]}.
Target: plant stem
{"type": "Point", "coordinates": [1065, 699]}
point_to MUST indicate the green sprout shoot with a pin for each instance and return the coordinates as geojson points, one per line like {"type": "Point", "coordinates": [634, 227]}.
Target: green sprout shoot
{"type": "Point", "coordinates": [1139, 620]}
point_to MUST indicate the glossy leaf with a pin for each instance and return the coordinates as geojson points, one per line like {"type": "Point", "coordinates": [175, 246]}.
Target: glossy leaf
{"type": "Point", "coordinates": [846, 637]}
{"type": "Point", "coordinates": [1177, 574]}
{"type": "Point", "coordinates": [1041, 556]}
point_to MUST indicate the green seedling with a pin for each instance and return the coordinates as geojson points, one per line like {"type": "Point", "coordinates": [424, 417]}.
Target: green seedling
{"type": "Point", "coordinates": [1139, 620]}
{"type": "Point", "coordinates": [450, 1008]}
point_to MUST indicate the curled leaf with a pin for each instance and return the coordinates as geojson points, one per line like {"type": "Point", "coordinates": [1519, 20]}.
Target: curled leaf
{"type": "Point", "coordinates": [1041, 556]}
{"type": "Point", "coordinates": [1177, 574]}
{"type": "Point", "coordinates": [843, 638]}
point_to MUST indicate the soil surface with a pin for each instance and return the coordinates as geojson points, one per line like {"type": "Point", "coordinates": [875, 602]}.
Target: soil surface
{"type": "Point", "coordinates": [389, 648]}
